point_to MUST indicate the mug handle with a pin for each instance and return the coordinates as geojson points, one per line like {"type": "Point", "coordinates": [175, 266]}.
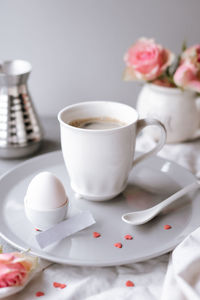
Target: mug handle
{"type": "Point", "coordinates": [142, 123]}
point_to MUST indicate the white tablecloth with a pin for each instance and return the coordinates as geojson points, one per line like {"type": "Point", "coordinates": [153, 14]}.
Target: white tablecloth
{"type": "Point", "coordinates": [109, 283]}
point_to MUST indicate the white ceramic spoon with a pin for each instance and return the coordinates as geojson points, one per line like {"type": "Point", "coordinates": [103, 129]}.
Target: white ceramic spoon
{"type": "Point", "coordinates": [143, 216]}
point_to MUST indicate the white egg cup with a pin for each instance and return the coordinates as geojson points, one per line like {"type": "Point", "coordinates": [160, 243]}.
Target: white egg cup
{"type": "Point", "coordinates": [44, 219]}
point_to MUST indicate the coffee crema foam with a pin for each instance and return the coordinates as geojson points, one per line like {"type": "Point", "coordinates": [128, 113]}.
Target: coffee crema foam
{"type": "Point", "coordinates": [97, 123]}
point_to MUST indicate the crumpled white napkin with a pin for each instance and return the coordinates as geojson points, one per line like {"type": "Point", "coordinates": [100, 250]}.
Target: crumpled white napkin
{"type": "Point", "coordinates": [182, 281]}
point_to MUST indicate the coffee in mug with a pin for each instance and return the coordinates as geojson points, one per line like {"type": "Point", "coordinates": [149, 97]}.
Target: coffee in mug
{"type": "Point", "coordinates": [97, 123]}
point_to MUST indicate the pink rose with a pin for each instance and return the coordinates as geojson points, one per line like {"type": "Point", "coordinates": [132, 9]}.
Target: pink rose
{"type": "Point", "coordinates": [15, 268]}
{"type": "Point", "coordinates": [146, 60]}
{"type": "Point", "coordinates": [192, 55]}
{"type": "Point", "coordinates": [187, 76]}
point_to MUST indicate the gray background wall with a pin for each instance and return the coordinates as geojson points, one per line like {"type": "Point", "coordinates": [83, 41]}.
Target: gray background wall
{"type": "Point", "coordinates": [76, 47]}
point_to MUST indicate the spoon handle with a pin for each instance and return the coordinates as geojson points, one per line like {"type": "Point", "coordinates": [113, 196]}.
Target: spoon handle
{"type": "Point", "coordinates": [180, 193]}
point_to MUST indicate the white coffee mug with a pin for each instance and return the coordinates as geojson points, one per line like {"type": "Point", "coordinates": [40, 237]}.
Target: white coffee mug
{"type": "Point", "coordinates": [99, 161]}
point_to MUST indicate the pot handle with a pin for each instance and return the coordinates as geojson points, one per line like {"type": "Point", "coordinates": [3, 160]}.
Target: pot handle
{"type": "Point", "coordinates": [141, 124]}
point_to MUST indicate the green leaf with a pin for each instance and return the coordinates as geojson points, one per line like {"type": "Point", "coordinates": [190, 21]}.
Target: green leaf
{"type": "Point", "coordinates": [184, 46]}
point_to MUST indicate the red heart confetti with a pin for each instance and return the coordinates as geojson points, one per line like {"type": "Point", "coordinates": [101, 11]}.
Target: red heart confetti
{"type": "Point", "coordinates": [39, 294]}
{"type": "Point", "coordinates": [59, 285]}
{"type": "Point", "coordinates": [56, 284]}
{"type": "Point", "coordinates": [37, 229]}
{"type": "Point", "coordinates": [166, 227]}
{"type": "Point", "coordinates": [128, 237]}
{"type": "Point", "coordinates": [118, 245]}
{"type": "Point", "coordinates": [129, 283]}
{"type": "Point", "coordinates": [96, 234]}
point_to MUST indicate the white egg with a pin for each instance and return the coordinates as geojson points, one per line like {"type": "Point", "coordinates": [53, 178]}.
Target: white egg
{"type": "Point", "coordinates": [45, 203]}
{"type": "Point", "coordinates": [45, 192]}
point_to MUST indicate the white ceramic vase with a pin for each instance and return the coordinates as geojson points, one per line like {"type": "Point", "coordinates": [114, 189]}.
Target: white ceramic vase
{"type": "Point", "coordinates": [175, 108]}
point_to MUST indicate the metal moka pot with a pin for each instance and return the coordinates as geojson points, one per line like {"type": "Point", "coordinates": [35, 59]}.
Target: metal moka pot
{"type": "Point", "coordinates": [20, 131]}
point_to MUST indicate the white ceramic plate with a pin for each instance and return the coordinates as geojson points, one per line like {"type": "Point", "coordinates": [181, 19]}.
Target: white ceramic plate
{"type": "Point", "coordinates": [149, 182]}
